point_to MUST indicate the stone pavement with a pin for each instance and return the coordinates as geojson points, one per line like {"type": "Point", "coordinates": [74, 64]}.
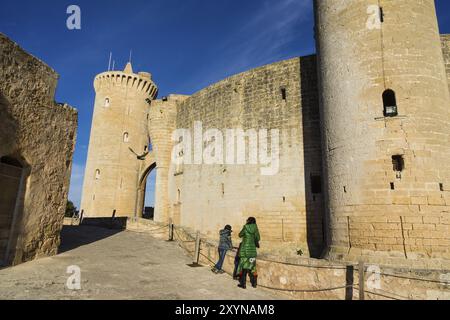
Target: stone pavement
{"type": "Point", "coordinates": [120, 265]}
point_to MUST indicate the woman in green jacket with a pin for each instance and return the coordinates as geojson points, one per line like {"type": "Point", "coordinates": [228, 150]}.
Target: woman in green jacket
{"type": "Point", "coordinates": [247, 255]}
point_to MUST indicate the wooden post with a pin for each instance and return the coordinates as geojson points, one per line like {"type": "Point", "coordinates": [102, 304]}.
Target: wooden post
{"type": "Point", "coordinates": [362, 280]}
{"type": "Point", "coordinates": [197, 249]}
{"type": "Point", "coordinates": [171, 230]}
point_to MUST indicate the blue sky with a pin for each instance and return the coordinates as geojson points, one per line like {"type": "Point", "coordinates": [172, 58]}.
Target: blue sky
{"type": "Point", "coordinates": [185, 44]}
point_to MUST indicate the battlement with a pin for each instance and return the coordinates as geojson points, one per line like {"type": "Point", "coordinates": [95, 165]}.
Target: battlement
{"type": "Point", "coordinates": [140, 82]}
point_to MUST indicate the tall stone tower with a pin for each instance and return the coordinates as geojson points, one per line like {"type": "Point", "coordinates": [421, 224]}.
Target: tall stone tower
{"type": "Point", "coordinates": [119, 132]}
{"type": "Point", "coordinates": [386, 129]}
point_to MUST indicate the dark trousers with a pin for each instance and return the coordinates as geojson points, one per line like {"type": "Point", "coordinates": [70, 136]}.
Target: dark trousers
{"type": "Point", "coordinates": [236, 266]}
{"type": "Point", "coordinates": [243, 278]}
{"type": "Point", "coordinates": [222, 255]}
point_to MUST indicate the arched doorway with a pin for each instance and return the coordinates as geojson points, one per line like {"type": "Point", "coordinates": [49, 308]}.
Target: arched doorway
{"type": "Point", "coordinates": [146, 191]}
{"type": "Point", "coordinates": [11, 180]}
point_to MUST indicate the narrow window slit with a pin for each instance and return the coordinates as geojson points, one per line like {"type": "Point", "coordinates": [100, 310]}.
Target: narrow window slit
{"type": "Point", "coordinates": [283, 93]}
{"type": "Point", "coordinates": [316, 184]}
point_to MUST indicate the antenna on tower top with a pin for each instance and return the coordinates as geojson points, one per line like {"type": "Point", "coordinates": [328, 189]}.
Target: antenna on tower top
{"type": "Point", "coordinates": [131, 53]}
{"type": "Point", "coordinates": [114, 65]}
{"type": "Point", "coordinates": [109, 64]}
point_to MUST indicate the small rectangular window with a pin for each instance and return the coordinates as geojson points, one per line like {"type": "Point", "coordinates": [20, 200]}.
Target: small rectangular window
{"type": "Point", "coordinates": [283, 93]}
{"type": "Point", "coordinates": [398, 163]}
{"type": "Point", "coordinates": [316, 184]}
{"type": "Point", "coordinates": [381, 14]}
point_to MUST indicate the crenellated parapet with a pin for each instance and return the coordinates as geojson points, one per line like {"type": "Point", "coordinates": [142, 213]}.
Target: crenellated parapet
{"type": "Point", "coordinates": [141, 82]}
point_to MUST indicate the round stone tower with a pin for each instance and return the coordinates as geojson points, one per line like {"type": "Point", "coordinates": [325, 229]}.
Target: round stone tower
{"type": "Point", "coordinates": [386, 130]}
{"type": "Point", "coordinates": [119, 134]}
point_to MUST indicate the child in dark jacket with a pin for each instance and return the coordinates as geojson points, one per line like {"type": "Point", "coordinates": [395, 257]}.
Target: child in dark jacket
{"type": "Point", "coordinates": [225, 244]}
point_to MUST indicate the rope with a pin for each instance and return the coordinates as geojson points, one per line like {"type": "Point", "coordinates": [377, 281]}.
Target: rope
{"type": "Point", "coordinates": [394, 294]}
{"type": "Point", "coordinates": [385, 295]}
{"type": "Point", "coordinates": [416, 279]}
{"type": "Point", "coordinates": [187, 234]}
{"type": "Point", "coordinates": [306, 265]}
{"type": "Point", "coordinates": [162, 227]}
{"type": "Point", "coordinates": [179, 242]}
{"type": "Point", "coordinates": [304, 290]}
{"type": "Point", "coordinates": [207, 258]}
{"type": "Point", "coordinates": [179, 238]}
{"type": "Point", "coordinates": [382, 295]}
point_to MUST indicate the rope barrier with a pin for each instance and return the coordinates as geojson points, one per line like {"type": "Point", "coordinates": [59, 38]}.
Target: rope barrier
{"type": "Point", "coordinates": [207, 258]}
{"type": "Point", "coordinates": [306, 290]}
{"type": "Point", "coordinates": [162, 227]}
{"type": "Point", "coordinates": [415, 279]}
{"type": "Point", "coordinates": [306, 265]}
{"type": "Point", "coordinates": [179, 241]}
{"type": "Point", "coordinates": [399, 297]}
{"type": "Point", "coordinates": [384, 294]}
{"type": "Point", "coordinates": [179, 238]}
{"type": "Point", "coordinates": [381, 295]}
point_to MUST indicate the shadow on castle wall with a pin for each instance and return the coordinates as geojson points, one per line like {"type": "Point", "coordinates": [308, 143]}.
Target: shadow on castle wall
{"type": "Point", "coordinates": [314, 195]}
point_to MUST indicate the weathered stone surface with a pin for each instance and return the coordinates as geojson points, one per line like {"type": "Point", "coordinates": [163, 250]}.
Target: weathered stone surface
{"type": "Point", "coordinates": [357, 64]}
{"type": "Point", "coordinates": [210, 196]}
{"type": "Point", "coordinates": [38, 135]}
{"type": "Point", "coordinates": [119, 125]}
{"type": "Point", "coordinates": [373, 212]}
{"type": "Point", "coordinates": [314, 279]}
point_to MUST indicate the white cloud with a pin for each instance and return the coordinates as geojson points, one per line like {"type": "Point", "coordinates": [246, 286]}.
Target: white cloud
{"type": "Point", "coordinates": [264, 38]}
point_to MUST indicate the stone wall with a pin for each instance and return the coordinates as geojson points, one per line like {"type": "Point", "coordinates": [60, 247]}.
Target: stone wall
{"type": "Point", "coordinates": [377, 212]}
{"type": "Point", "coordinates": [445, 39]}
{"type": "Point", "coordinates": [313, 279]}
{"type": "Point", "coordinates": [280, 96]}
{"type": "Point", "coordinates": [37, 136]}
{"type": "Point", "coordinates": [161, 125]}
{"type": "Point", "coordinates": [120, 122]}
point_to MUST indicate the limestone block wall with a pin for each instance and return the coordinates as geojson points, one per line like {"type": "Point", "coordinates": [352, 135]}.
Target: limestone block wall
{"type": "Point", "coordinates": [120, 122]}
{"type": "Point", "coordinates": [445, 39]}
{"type": "Point", "coordinates": [161, 124]}
{"type": "Point", "coordinates": [206, 197]}
{"type": "Point", "coordinates": [314, 279]}
{"type": "Point", "coordinates": [37, 138]}
{"type": "Point", "coordinates": [375, 212]}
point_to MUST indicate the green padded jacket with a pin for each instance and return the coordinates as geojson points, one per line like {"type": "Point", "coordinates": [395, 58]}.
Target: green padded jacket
{"type": "Point", "coordinates": [250, 235]}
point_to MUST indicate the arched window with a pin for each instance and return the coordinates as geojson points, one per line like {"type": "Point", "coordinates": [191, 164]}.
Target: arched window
{"type": "Point", "coordinates": [389, 103]}
{"type": "Point", "coordinates": [126, 137]}
{"type": "Point", "coordinates": [107, 103]}
{"type": "Point", "coordinates": [97, 174]}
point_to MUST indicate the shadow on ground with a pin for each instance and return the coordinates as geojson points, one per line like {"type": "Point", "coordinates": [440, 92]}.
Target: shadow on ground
{"type": "Point", "coordinates": [73, 237]}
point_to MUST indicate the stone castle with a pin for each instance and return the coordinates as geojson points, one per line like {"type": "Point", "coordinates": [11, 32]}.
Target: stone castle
{"type": "Point", "coordinates": [364, 146]}
{"type": "Point", "coordinates": [362, 169]}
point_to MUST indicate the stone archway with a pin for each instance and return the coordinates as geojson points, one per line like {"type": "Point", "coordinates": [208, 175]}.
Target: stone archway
{"type": "Point", "coordinates": [148, 166]}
